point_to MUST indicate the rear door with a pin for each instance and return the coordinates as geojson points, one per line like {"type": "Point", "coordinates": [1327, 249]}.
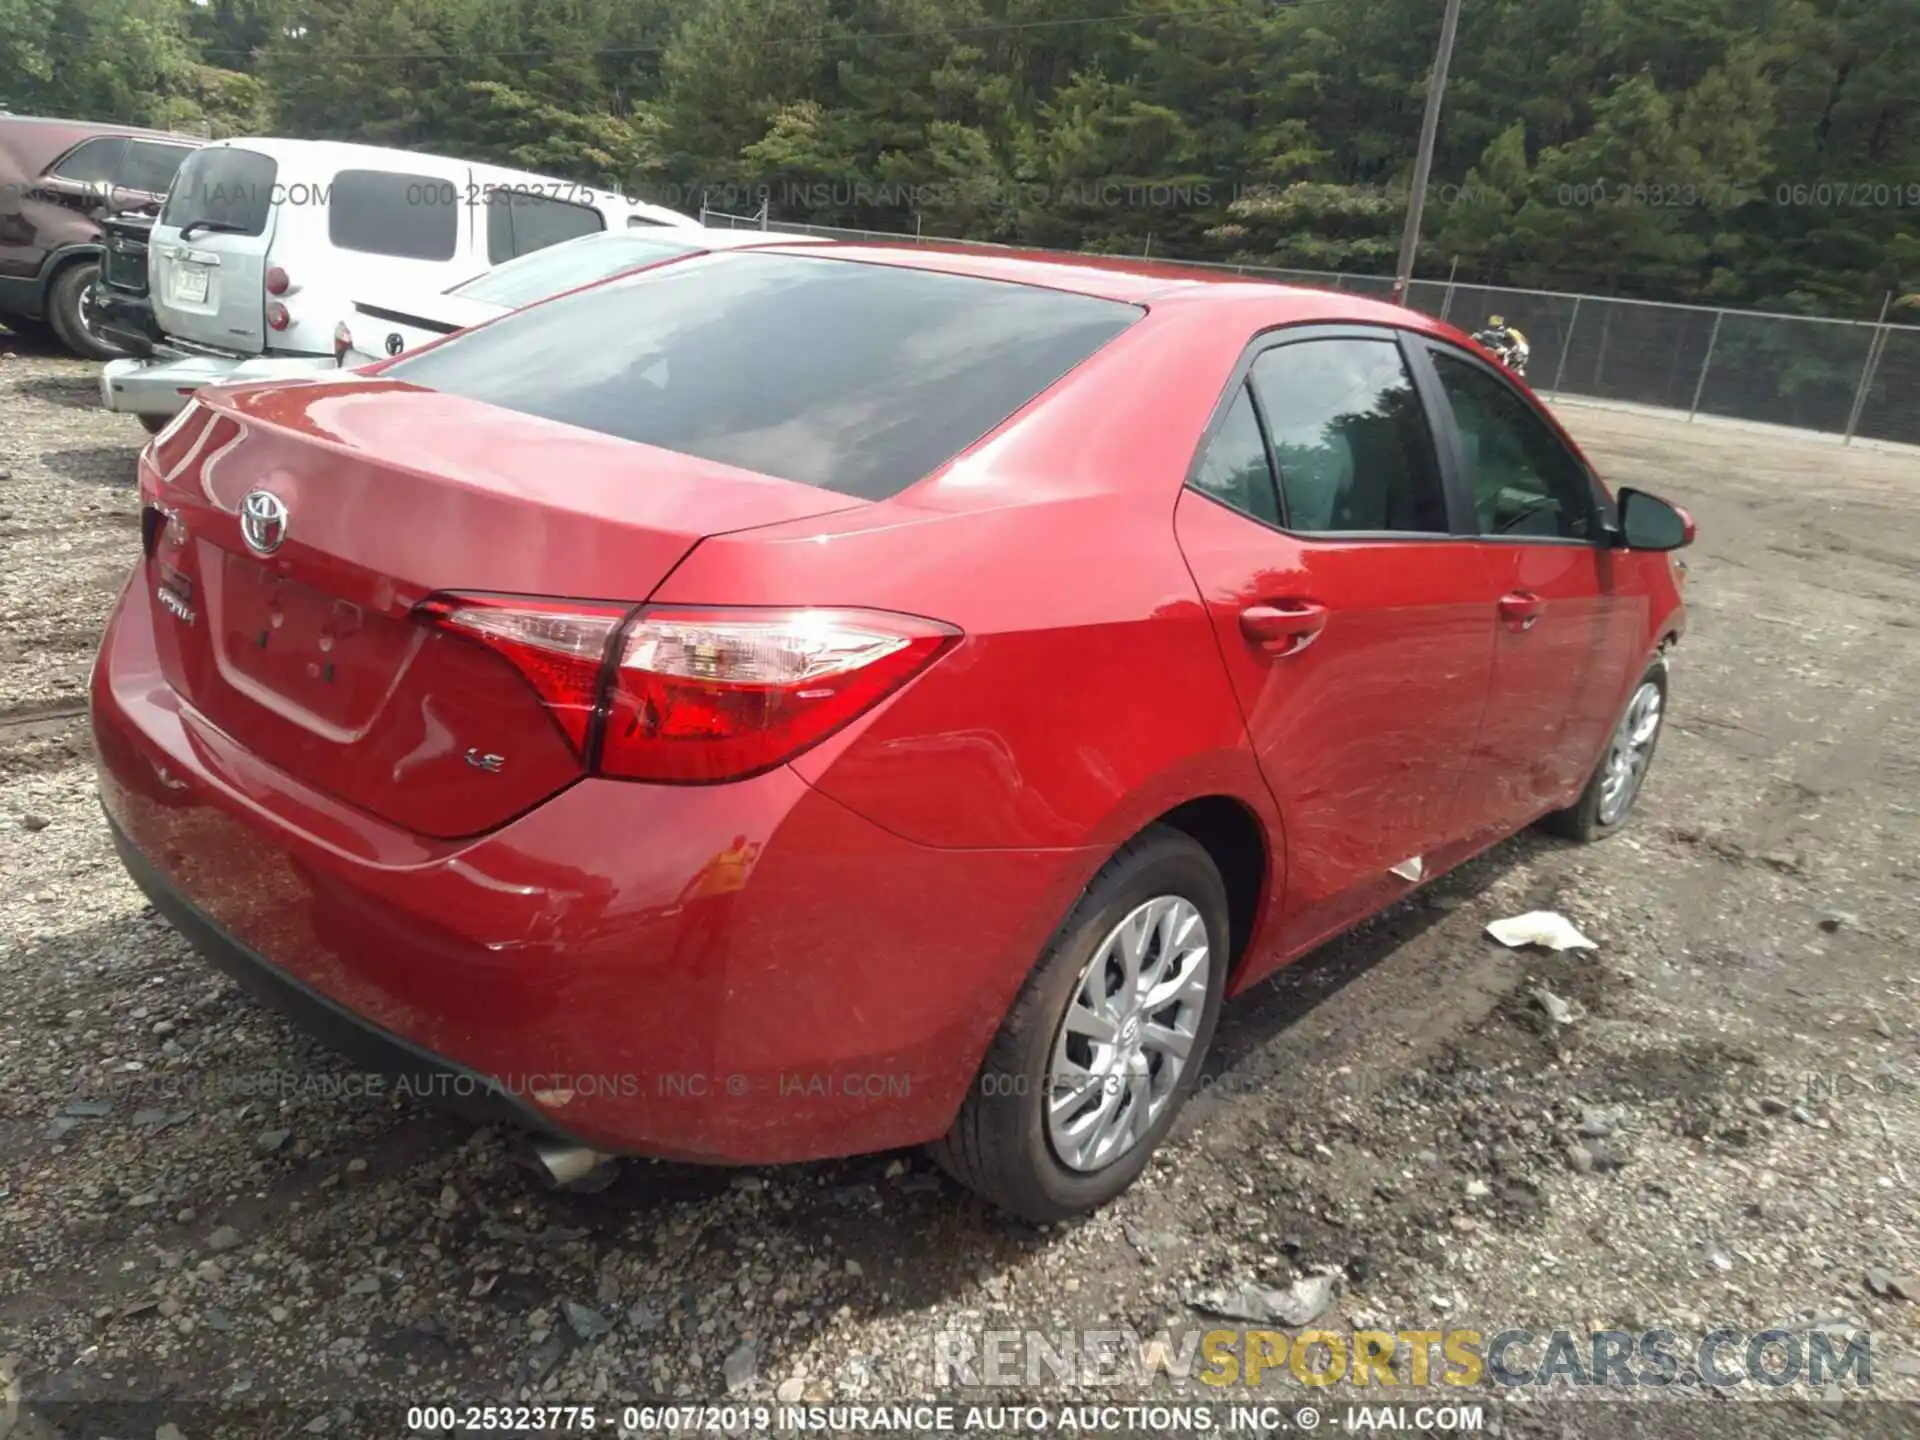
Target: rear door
{"type": "Point", "coordinates": [1568, 625]}
{"type": "Point", "coordinates": [207, 259]}
{"type": "Point", "coordinates": [1351, 615]}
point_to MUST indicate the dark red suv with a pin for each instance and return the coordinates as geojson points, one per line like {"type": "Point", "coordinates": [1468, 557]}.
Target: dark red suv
{"type": "Point", "coordinates": [58, 179]}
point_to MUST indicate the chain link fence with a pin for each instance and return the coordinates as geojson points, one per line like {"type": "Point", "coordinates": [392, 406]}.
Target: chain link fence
{"type": "Point", "coordinates": [1842, 377]}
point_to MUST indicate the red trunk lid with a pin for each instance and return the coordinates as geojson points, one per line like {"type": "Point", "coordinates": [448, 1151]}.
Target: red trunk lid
{"type": "Point", "coordinates": [312, 656]}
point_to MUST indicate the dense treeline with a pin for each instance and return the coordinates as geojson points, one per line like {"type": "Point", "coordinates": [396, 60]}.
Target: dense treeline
{"type": "Point", "coordinates": [1755, 152]}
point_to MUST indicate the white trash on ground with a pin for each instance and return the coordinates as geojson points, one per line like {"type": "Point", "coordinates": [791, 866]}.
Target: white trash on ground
{"type": "Point", "coordinates": [1540, 927]}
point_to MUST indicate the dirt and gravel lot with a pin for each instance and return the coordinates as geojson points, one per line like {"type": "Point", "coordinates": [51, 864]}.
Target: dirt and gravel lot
{"type": "Point", "coordinates": [1710, 1121]}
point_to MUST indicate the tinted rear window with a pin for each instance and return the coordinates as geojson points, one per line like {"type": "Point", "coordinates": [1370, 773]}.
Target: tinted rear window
{"type": "Point", "coordinates": [856, 377]}
{"type": "Point", "coordinates": [566, 267]}
{"type": "Point", "coordinates": [382, 212]}
{"type": "Point", "coordinates": [232, 189]}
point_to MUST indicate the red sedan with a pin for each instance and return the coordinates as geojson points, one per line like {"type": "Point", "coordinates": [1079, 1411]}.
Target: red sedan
{"type": "Point", "coordinates": [782, 705]}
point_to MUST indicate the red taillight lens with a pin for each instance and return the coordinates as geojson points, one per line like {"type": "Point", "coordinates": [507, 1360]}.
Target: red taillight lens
{"type": "Point", "coordinates": [696, 695]}
{"type": "Point", "coordinates": [560, 647]}
{"type": "Point", "coordinates": [277, 317]}
{"type": "Point", "coordinates": [702, 695]}
{"type": "Point", "coordinates": [277, 281]}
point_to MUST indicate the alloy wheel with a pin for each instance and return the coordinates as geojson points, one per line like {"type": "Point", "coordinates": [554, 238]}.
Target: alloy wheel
{"type": "Point", "coordinates": [1630, 751]}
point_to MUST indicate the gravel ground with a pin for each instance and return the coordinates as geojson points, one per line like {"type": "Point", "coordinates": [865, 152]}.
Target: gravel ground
{"type": "Point", "coordinates": [1708, 1121]}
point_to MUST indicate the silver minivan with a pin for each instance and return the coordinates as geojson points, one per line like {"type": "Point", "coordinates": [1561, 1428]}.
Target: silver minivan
{"type": "Point", "coordinates": [264, 244]}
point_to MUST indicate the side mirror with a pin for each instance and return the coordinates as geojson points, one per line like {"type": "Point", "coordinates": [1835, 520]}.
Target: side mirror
{"type": "Point", "coordinates": [1649, 523]}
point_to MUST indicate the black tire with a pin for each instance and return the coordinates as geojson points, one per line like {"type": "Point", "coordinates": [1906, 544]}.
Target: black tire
{"type": "Point", "coordinates": [1581, 820]}
{"type": "Point", "coordinates": [66, 309]}
{"type": "Point", "coordinates": [154, 424]}
{"type": "Point", "coordinates": [998, 1146]}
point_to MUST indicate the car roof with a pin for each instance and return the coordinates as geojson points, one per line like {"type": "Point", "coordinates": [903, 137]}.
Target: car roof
{"type": "Point", "coordinates": [710, 238]}
{"type": "Point", "coordinates": [1139, 282]}
{"type": "Point", "coordinates": [86, 129]}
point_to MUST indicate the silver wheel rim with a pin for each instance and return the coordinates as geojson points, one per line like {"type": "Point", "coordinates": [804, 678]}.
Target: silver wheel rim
{"type": "Point", "coordinates": [1128, 1033]}
{"type": "Point", "coordinates": [1630, 751]}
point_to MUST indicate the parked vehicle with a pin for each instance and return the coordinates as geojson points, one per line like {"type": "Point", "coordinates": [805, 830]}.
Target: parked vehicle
{"type": "Point", "coordinates": [120, 311]}
{"type": "Point", "coordinates": [58, 180]}
{"type": "Point", "coordinates": [387, 325]}
{"type": "Point", "coordinates": [263, 244]}
{"type": "Point", "coordinates": [977, 667]}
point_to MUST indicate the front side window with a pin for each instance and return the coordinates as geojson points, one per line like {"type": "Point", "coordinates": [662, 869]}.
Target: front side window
{"type": "Point", "coordinates": [1526, 483]}
{"type": "Point", "coordinates": [1350, 438]}
{"type": "Point", "coordinates": [1235, 469]}
{"type": "Point", "coordinates": [224, 188]}
{"type": "Point", "coordinates": [853, 376]}
{"type": "Point", "coordinates": [381, 212]}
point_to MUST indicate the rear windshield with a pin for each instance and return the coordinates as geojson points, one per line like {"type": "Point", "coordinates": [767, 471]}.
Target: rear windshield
{"type": "Point", "coordinates": [227, 189]}
{"type": "Point", "coordinates": [385, 212]}
{"type": "Point", "coordinates": [856, 377]}
{"type": "Point", "coordinates": [567, 266]}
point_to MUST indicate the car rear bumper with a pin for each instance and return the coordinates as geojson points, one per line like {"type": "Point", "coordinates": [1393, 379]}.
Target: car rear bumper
{"type": "Point", "coordinates": [408, 1068]}
{"type": "Point", "coordinates": [163, 384]}
{"type": "Point", "coordinates": [743, 973]}
{"type": "Point", "coordinates": [125, 319]}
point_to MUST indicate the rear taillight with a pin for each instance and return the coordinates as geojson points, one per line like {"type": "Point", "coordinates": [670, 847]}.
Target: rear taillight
{"type": "Point", "coordinates": [695, 695]}
{"type": "Point", "coordinates": [704, 695]}
{"type": "Point", "coordinates": [342, 342]}
{"type": "Point", "coordinates": [559, 646]}
{"type": "Point", "coordinates": [277, 317]}
{"type": "Point", "coordinates": [277, 281]}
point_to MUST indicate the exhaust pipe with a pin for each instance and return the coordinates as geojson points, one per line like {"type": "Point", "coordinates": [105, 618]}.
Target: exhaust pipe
{"type": "Point", "coordinates": [575, 1167]}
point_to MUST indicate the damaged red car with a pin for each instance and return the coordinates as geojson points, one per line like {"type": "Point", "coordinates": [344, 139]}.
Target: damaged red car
{"type": "Point", "coordinates": [782, 705]}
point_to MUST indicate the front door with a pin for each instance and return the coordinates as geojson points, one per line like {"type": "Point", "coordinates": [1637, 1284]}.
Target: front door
{"type": "Point", "coordinates": [1353, 621]}
{"type": "Point", "coordinates": [1567, 634]}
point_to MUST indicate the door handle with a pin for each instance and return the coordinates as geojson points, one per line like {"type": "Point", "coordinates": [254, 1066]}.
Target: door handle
{"type": "Point", "coordinates": [1521, 610]}
{"type": "Point", "coordinates": [1283, 626]}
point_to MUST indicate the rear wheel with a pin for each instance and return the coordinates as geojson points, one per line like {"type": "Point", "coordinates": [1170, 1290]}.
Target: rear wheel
{"type": "Point", "coordinates": [1603, 807]}
{"type": "Point", "coordinates": [1105, 1043]}
{"type": "Point", "coordinates": [70, 309]}
{"type": "Point", "coordinates": [154, 424]}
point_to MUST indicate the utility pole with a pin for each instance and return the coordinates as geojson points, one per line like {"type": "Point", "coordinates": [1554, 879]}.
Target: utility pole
{"type": "Point", "coordinates": [1423, 167]}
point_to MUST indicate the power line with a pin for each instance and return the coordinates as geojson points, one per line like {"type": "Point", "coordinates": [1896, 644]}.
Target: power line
{"type": "Point", "coordinates": [794, 41]}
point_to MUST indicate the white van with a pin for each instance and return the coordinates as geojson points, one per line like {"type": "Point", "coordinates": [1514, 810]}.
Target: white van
{"type": "Point", "coordinates": [264, 244]}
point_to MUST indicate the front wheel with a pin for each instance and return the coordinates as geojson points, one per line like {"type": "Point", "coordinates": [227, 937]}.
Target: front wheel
{"type": "Point", "coordinates": [70, 311]}
{"type": "Point", "coordinates": [1105, 1043]}
{"type": "Point", "coordinates": [1603, 807]}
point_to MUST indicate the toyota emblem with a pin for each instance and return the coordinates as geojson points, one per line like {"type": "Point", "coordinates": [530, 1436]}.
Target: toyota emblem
{"type": "Point", "coordinates": [263, 522]}
{"type": "Point", "coordinates": [395, 342]}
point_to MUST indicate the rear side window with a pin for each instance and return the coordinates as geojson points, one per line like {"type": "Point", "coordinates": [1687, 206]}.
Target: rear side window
{"type": "Point", "coordinates": [519, 223]}
{"type": "Point", "coordinates": [1235, 469]}
{"type": "Point", "coordinates": [856, 377]}
{"type": "Point", "coordinates": [149, 166]}
{"type": "Point", "coordinates": [91, 161]}
{"type": "Point", "coordinates": [230, 190]}
{"type": "Point", "coordinates": [1350, 437]}
{"type": "Point", "coordinates": [383, 212]}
